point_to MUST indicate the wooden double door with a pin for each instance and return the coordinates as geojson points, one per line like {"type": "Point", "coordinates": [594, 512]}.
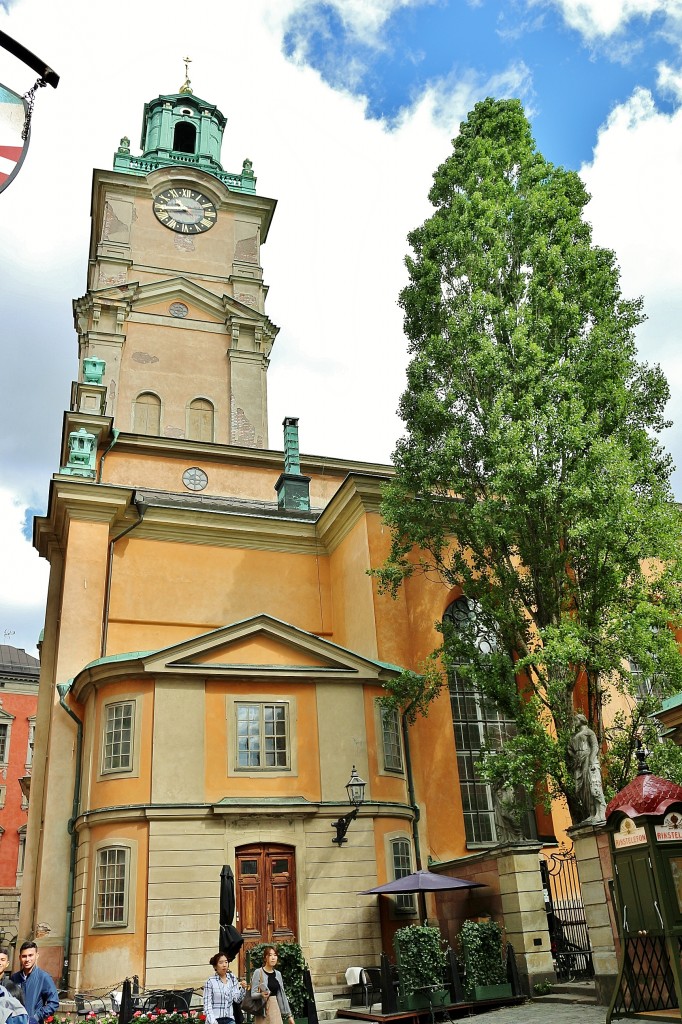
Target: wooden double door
{"type": "Point", "coordinates": [266, 894]}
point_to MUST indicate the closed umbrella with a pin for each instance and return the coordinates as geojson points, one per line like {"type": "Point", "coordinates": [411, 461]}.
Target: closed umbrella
{"type": "Point", "coordinates": [229, 940]}
{"type": "Point", "coordinates": [126, 1009]}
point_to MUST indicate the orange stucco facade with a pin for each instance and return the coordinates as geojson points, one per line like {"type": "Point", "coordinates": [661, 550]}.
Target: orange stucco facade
{"type": "Point", "coordinates": [189, 609]}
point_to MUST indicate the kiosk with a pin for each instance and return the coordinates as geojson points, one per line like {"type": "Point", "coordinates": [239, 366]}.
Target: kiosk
{"type": "Point", "coordinates": [644, 822]}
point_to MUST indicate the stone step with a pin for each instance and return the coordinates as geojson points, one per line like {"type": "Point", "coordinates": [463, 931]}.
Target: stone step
{"type": "Point", "coordinates": [566, 999]}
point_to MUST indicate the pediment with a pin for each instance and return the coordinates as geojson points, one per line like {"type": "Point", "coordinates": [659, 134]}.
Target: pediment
{"type": "Point", "coordinates": [268, 648]}
{"type": "Point", "coordinates": [142, 298]}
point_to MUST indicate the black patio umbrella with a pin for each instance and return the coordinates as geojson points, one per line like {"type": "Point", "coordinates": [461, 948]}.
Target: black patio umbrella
{"type": "Point", "coordinates": [423, 881]}
{"type": "Point", "coordinates": [229, 939]}
{"type": "Point", "coordinates": [126, 1009]}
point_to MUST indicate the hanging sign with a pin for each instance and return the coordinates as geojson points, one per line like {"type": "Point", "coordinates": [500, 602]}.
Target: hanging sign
{"type": "Point", "coordinates": [629, 835]}
{"type": "Point", "coordinates": [13, 112]}
{"type": "Point", "coordinates": [671, 829]}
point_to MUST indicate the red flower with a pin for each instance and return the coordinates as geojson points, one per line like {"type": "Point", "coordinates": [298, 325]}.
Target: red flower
{"type": "Point", "coordinates": [138, 1013]}
{"type": "Point", "coordinates": [48, 1020]}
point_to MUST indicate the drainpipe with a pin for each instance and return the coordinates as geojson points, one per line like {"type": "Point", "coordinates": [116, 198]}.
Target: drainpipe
{"type": "Point", "coordinates": [114, 439]}
{"type": "Point", "coordinates": [140, 508]}
{"type": "Point", "coordinates": [63, 689]}
{"type": "Point", "coordinates": [413, 803]}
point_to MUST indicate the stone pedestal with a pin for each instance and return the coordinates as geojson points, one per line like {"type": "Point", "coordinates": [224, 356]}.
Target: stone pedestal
{"type": "Point", "coordinates": [523, 907]}
{"type": "Point", "coordinates": [595, 872]}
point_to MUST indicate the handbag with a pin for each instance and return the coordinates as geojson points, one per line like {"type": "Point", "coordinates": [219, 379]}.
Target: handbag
{"type": "Point", "coordinates": [254, 1004]}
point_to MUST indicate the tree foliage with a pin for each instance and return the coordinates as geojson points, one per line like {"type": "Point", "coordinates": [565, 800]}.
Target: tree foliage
{"type": "Point", "coordinates": [530, 474]}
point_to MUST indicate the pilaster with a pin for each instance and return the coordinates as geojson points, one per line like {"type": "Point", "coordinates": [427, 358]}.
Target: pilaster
{"type": "Point", "coordinates": [523, 907]}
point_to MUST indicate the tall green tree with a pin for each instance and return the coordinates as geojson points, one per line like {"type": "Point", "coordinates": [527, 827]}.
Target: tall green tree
{"type": "Point", "coordinates": [530, 474]}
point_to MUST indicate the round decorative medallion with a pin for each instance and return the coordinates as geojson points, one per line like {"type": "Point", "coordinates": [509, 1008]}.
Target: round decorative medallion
{"type": "Point", "coordinates": [194, 479]}
{"type": "Point", "coordinates": [178, 309]}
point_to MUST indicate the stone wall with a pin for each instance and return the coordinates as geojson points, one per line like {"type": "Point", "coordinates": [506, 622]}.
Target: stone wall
{"type": "Point", "coordinates": [9, 916]}
{"type": "Point", "coordinates": [595, 872]}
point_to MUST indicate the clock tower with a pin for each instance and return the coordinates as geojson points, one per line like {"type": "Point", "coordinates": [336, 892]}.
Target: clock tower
{"type": "Point", "coordinates": [175, 301]}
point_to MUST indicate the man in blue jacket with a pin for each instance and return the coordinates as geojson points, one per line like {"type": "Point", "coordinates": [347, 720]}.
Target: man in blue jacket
{"type": "Point", "coordinates": [38, 989]}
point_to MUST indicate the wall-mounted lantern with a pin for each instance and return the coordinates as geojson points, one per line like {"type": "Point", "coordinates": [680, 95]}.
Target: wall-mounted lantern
{"type": "Point", "coordinates": [355, 787]}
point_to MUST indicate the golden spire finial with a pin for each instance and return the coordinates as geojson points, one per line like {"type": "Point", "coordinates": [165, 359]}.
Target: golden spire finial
{"type": "Point", "coordinates": [187, 85]}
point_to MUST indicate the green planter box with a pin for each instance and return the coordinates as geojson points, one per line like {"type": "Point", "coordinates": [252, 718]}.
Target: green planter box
{"type": "Point", "coordinates": [420, 1000]}
{"type": "Point", "coordinates": [493, 991]}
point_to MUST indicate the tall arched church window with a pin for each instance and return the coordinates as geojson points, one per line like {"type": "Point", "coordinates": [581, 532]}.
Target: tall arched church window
{"type": "Point", "coordinates": [478, 725]}
{"type": "Point", "coordinates": [200, 420]}
{"type": "Point", "coordinates": [147, 414]}
{"type": "Point", "coordinates": [184, 137]}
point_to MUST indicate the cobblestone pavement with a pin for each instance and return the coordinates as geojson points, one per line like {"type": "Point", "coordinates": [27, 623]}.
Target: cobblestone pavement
{"type": "Point", "coordinates": [542, 1013]}
{"type": "Point", "coordinates": [532, 1013]}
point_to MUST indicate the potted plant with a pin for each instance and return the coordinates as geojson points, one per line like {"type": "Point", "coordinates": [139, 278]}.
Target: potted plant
{"type": "Point", "coordinates": [486, 973]}
{"type": "Point", "coordinates": [291, 964]}
{"type": "Point", "coordinates": [420, 952]}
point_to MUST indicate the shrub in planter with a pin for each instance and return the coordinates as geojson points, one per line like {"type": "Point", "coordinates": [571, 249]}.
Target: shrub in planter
{"type": "Point", "coordinates": [291, 964]}
{"type": "Point", "coordinates": [486, 973]}
{"type": "Point", "coordinates": [420, 952]}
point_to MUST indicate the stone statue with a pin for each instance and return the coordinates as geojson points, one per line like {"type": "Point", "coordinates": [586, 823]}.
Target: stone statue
{"type": "Point", "coordinates": [507, 824]}
{"type": "Point", "coordinates": [582, 756]}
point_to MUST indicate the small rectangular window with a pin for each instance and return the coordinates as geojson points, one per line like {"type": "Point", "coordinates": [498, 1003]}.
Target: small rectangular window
{"type": "Point", "coordinates": [402, 866]}
{"type": "Point", "coordinates": [262, 736]}
{"type": "Point", "coordinates": [111, 895]}
{"type": "Point", "coordinates": [117, 754]}
{"type": "Point", "coordinates": [4, 743]}
{"type": "Point", "coordinates": [390, 729]}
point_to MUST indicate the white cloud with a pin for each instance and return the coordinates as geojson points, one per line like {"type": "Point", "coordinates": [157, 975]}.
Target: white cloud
{"type": "Point", "coordinates": [634, 181]}
{"type": "Point", "coordinates": [362, 18]}
{"type": "Point", "coordinates": [670, 80]}
{"type": "Point", "coordinates": [601, 18]}
{"type": "Point", "coordinates": [23, 580]}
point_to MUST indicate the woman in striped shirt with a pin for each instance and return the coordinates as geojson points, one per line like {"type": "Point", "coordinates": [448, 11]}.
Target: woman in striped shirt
{"type": "Point", "coordinates": [221, 991]}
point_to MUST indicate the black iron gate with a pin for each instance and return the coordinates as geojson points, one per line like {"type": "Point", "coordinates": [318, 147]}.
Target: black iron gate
{"type": "Point", "coordinates": [570, 940]}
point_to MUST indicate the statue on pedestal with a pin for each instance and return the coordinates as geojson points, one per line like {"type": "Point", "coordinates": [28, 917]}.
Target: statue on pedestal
{"type": "Point", "coordinates": [582, 757]}
{"type": "Point", "coordinates": [507, 824]}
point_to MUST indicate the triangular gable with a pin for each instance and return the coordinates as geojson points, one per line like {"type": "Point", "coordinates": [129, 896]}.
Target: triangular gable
{"type": "Point", "coordinates": [171, 289]}
{"type": "Point", "coordinates": [265, 647]}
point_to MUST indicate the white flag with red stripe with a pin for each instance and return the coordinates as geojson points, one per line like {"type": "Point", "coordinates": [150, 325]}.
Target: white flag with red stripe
{"type": "Point", "coordinates": [12, 146]}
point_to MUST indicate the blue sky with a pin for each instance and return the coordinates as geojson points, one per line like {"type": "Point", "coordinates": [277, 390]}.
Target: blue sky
{"type": "Point", "coordinates": [345, 108]}
{"type": "Point", "coordinates": [571, 82]}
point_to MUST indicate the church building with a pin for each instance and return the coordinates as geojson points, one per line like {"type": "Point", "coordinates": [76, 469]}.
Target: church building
{"type": "Point", "coordinates": [215, 649]}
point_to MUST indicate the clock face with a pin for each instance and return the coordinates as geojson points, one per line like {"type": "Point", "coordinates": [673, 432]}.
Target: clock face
{"type": "Point", "coordinates": [194, 479]}
{"type": "Point", "coordinates": [185, 210]}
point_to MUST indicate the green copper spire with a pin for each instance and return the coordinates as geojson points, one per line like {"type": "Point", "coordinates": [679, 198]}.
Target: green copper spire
{"type": "Point", "coordinates": [181, 129]}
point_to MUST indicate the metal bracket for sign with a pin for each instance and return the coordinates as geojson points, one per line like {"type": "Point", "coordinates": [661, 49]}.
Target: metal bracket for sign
{"type": "Point", "coordinates": [47, 75]}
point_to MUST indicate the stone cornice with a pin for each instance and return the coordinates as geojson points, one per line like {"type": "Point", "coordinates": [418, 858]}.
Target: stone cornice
{"type": "Point", "coordinates": [271, 458]}
{"type": "Point", "coordinates": [77, 498]}
{"type": "Point", "coordinates": [359, 494]}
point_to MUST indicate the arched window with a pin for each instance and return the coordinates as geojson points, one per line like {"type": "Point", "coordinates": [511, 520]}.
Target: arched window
{"type": "Point", "coordinates": [200, 420]}
{"type": "Point", "coordinates": [184, 137]}
{"type": "Point", "coordinates": [147, 414]}
{"type": "Point", "coordinates": [478, 726]}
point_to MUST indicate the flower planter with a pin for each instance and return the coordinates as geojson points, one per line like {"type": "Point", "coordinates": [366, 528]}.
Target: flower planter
{"type": "Point", "coordinates": [492, 991]}
{"type": "Point", "coordinates": [421, 1001]}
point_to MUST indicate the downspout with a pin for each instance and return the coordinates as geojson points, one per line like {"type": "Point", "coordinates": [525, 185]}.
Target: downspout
{"type": "Point", "coordinates": [114, 439]}
{"type": "Point", "coordinates": [63, 689]}
{"type": "Point", "coordinates": [413, 803]}
{"type": "Point", "coordinates": [140, 508]}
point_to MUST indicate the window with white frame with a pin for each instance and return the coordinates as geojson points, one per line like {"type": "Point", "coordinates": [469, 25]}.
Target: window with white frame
{"type": "Point", "coordinates": [3, 792]}
{"type": "Point", "coordinates": [390, 735]}
{"type": "Point", "coordinates": [4, 742]}
{"type": "Point", "coordinates": [401, 855]}
{"type": "Point", "coordinates": [262, 736]}
{"type": "Point", "coordinates": [478, 726]}
{"type": "Point", "coordinates": [111, 881]}
{"type": "Point", "coordinates": [31, 741]}
{"type": "Point", "coordinates": [117, 744]}
{"type": "Point", "coordinates": [21, 855]}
